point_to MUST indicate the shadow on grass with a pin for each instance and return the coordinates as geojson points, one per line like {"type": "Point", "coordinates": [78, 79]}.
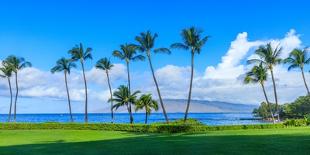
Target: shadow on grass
{"type": "Point", "coordinates": [171, 144]}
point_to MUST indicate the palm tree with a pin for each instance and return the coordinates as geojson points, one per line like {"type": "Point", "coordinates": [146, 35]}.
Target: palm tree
{"type": "Point", "coordinates": [123, 97]}
{"type": "Point", "coordinates": [17, 64]}
{"type": "Point", "coordinates": [193, 41]}
{"type": "Point", "coordinates": [269, 57]}
{"type": "Point", "coordinates": [65, 65]}
{"type": "Point", "coordinates": [258, 74]}
{"type": "Point", "coordinates": [146, 102]}
{"type": "Point", "coordinates": [128, 53]}
{"type": "Point", "coordinates": [78, 54]}
{"type": "Point", "coordinates": [7, 73]}
{"type": "Point", "coordinates": [297, 59]}
{"type": "Point", "coordinates": [146, 44]}
{"type": "Point", "coordinates": [105, 65]}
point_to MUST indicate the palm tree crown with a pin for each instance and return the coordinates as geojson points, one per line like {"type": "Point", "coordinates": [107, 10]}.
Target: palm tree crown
{"type": "Point", "coordinates": [6, 70]}
{"type": "Point", "coordinates": [267, 55]}
{"type": "Point", "coordinates": [104, 64]}
{"type": "Point", "coordinates": [257, 74]}
{"type": "Point", "coordinates": [63, 64]}
{"type": "Point", "coordinates": [146, 102]}
{"type": "Point", "coordinates": [297, 58]}
{"type": "Point", "coordinates": [77, 53]}
{"type": "Point", "coordinates": [122, 97]}
{"type": "Point", "coordinates": [191, 40]}
{"type": "Point", "coordinates": [17, 63]}
{"type": "Point", "coordinates": [146, 42]}
{"type": "Point", "coordinates": [128, 52]}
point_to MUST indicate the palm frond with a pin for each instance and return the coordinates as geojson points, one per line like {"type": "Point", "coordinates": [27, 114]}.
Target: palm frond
{"type": "Point", "coordinates": [162, 50]}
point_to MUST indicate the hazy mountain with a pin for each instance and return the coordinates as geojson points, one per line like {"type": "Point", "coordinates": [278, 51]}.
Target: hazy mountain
{"type": "Point", "coordinates": [200, 106]}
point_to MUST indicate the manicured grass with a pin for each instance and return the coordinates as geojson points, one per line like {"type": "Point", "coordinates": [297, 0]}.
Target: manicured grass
{"type": "Point", "coordinates": [74, 142]}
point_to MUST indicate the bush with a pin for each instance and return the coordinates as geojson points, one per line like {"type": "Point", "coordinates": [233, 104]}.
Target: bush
{"type": "Point", "coordinates": [297, 122]}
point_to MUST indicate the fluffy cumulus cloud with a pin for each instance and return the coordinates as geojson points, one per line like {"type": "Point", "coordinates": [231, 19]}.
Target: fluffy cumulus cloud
{"type": "Point", "coordinates": [222, 82]}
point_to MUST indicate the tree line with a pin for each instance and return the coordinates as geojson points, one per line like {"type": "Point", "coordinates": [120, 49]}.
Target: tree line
{"type": "Point", "coordinates": [143, 48]}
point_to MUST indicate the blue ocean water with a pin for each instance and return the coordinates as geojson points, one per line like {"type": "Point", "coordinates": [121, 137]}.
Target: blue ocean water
{"type": "Point", "coordinates": [206, 118]}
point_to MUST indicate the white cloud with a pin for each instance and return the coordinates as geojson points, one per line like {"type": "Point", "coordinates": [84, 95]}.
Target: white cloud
{"type": "Point", "coordinates": [230, 67]}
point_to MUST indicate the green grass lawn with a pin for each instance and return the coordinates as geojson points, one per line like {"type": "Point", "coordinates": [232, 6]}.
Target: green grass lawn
{"type": "Point", "coordinates": [74, 142]}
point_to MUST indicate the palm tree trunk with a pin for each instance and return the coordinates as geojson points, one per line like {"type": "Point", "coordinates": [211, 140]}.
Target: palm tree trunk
{"type": "Point", "coordinates": [11, 99]}
{"type": "Point", "coordinates": [68, 95]}
{"type": "Point", "coordinates": [275, 93]}
{"type": "Point", "coordinates": [128, 76]}
{"type": "Point", "coordinates": [112, 114]}
{"type": "Point", "coordinates": [190, 87]}
{"type": "Point", "coordinates": [86, 99]}
{"type": "Point", "coordinates": [158, 91]}
{"type": "Point", "coordinates": [145, 115]}
{"type": "Point", "coordinates": [303, 77]}
{"type": "Point", "coordinates": [16, 96]}
{"type": "Point", "coordinates": [270, 108]}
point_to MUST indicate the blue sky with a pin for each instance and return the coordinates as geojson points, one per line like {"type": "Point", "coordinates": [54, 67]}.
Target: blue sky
{"type": "Point", "coordinates": [43, 31]}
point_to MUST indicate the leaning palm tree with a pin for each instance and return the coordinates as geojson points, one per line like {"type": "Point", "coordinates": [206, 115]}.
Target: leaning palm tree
{"type": "Point", "coordinates": [78, 53]}
{"type": "Point", "coordinates": [193, 41]}
{"type": "Point", "coordinates": [298, 58]}
{"type": "Point", "coordinates": [146, 44]}
{"type": "Point", "coordinates": [106, 65]}
{"type": "Point", "coordinates": [269, 57]}
{"type": "Point", "coordinates": [258, 74]}
{"type": "Point", "coordinates": [128, 53]}
{"type": "Point", "coordinates": [147, 103]}
{"type": "Point", "coordinates": [7, 73]}
{"type": "Point", "coordinates": [65, 65]}
{"type": "Point", "coordinates": [17, 64]}
{"type": "Point", "coordinates": [123, 97]}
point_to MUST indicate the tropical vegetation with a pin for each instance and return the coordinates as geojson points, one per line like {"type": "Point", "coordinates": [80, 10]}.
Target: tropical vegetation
{"type": "Point", "coordinates": [147, 103]}
{"type": "Point", "coordinates": [192, 41]}
{"type": "Point", "coordinates": [146, 45]}
{"type": "Point", "coordinates": [263, 64]}
{"type": "Point", "coordinates": [269, 57]}
{"type": "Point", "coordinates": [78, 53]}
{"type": "Point", "coordinates": [106, 65]}
{"type": "Point", "coordinates": [124, 97]}
{"type": "Point", "coordinates": [65, 65]}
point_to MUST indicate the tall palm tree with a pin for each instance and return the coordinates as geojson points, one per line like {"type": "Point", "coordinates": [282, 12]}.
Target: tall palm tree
{"type": "Point", "coordinates": [17, 64]}
{"type": "Point", "coordinates": [65, 65]}
{"type": "Point", "coordinates": [7, 73]}
{"type": "Point", "coordinates": [128, 53]}
{"type": "Point", "coordinates": [106, 65]}
{"type": "Point", "coordinates": [258, 74]}
{"type": "Point", "coordinates": [269, 57]}
{"type": "Point", "coordinates": [146, 102]}
{"type": "Point", "coordinates": [146, 44]}
{"type": "Point", "coordinates": [78, 53]}
{"type": "Point", "coordinates": [298, 58]}
{"type": "Point", "coordinates": [193, 41]}
{"type": "Point", "coordinates": [123, 97]}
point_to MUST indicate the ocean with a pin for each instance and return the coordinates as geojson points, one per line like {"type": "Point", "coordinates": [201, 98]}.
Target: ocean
{"type": "Point", "coordinates": [205, 118]}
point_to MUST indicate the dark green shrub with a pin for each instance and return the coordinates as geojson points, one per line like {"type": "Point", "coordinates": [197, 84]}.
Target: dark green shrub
{"type": "Point", "coordinates": [296, 122]}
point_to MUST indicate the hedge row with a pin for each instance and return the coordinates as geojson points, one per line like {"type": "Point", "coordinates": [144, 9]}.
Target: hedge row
{"type": "Point", "coordinates": [153, 128]}
{"type": "Point", "coordinates": [192, 126]}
